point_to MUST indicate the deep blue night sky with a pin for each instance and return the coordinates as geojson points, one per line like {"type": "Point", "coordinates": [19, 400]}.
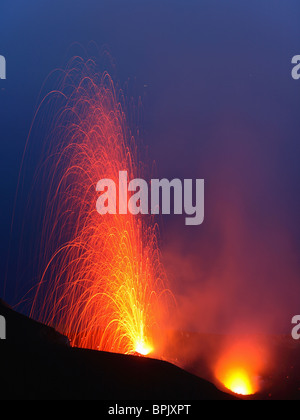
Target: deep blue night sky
{"type": "Point", "coordinates": [219, 104]}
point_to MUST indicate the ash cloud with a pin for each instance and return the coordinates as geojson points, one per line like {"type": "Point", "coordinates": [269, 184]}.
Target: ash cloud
{"type": "Point", "coordinates": [239, 272]}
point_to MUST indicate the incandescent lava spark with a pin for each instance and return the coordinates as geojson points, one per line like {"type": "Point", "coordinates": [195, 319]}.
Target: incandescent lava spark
{"type": "Point", "coordinates": [103, 283]}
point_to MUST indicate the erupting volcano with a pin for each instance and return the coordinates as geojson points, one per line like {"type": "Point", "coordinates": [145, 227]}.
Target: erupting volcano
{"type": "Point", "coordinates": [241, 365]}
{"type": "Point", "coordinates": [102, 282]}
{"type": "Point", "coordinates": [238, 381]}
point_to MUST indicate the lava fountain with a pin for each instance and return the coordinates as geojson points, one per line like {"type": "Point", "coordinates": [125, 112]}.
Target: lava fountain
{"type": "Point", "coordinates": [102, 282]}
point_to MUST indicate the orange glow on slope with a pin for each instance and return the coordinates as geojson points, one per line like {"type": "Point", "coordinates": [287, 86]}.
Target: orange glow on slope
{"type": "Point", "coordinates": [240, 367]}
{"type": "Point", "coordinates": [102, 281]}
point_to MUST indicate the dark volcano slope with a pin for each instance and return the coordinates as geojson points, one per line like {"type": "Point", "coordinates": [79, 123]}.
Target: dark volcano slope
{"type": "Point", "coordinates": [38, 363]}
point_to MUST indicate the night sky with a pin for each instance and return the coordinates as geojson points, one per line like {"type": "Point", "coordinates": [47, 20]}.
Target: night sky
{"type": "Point", "coordinates": [219, 104]}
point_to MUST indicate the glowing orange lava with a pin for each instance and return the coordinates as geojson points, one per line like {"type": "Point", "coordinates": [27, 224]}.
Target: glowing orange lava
{"type": "Point", "coordinates": [240, 366]}
{"type": "Point", "coordinates": [239, 382]}
{"type": "Point", "coordinates": [102, 281]}
{"type": "Point", "coordinates": [143, 348]}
